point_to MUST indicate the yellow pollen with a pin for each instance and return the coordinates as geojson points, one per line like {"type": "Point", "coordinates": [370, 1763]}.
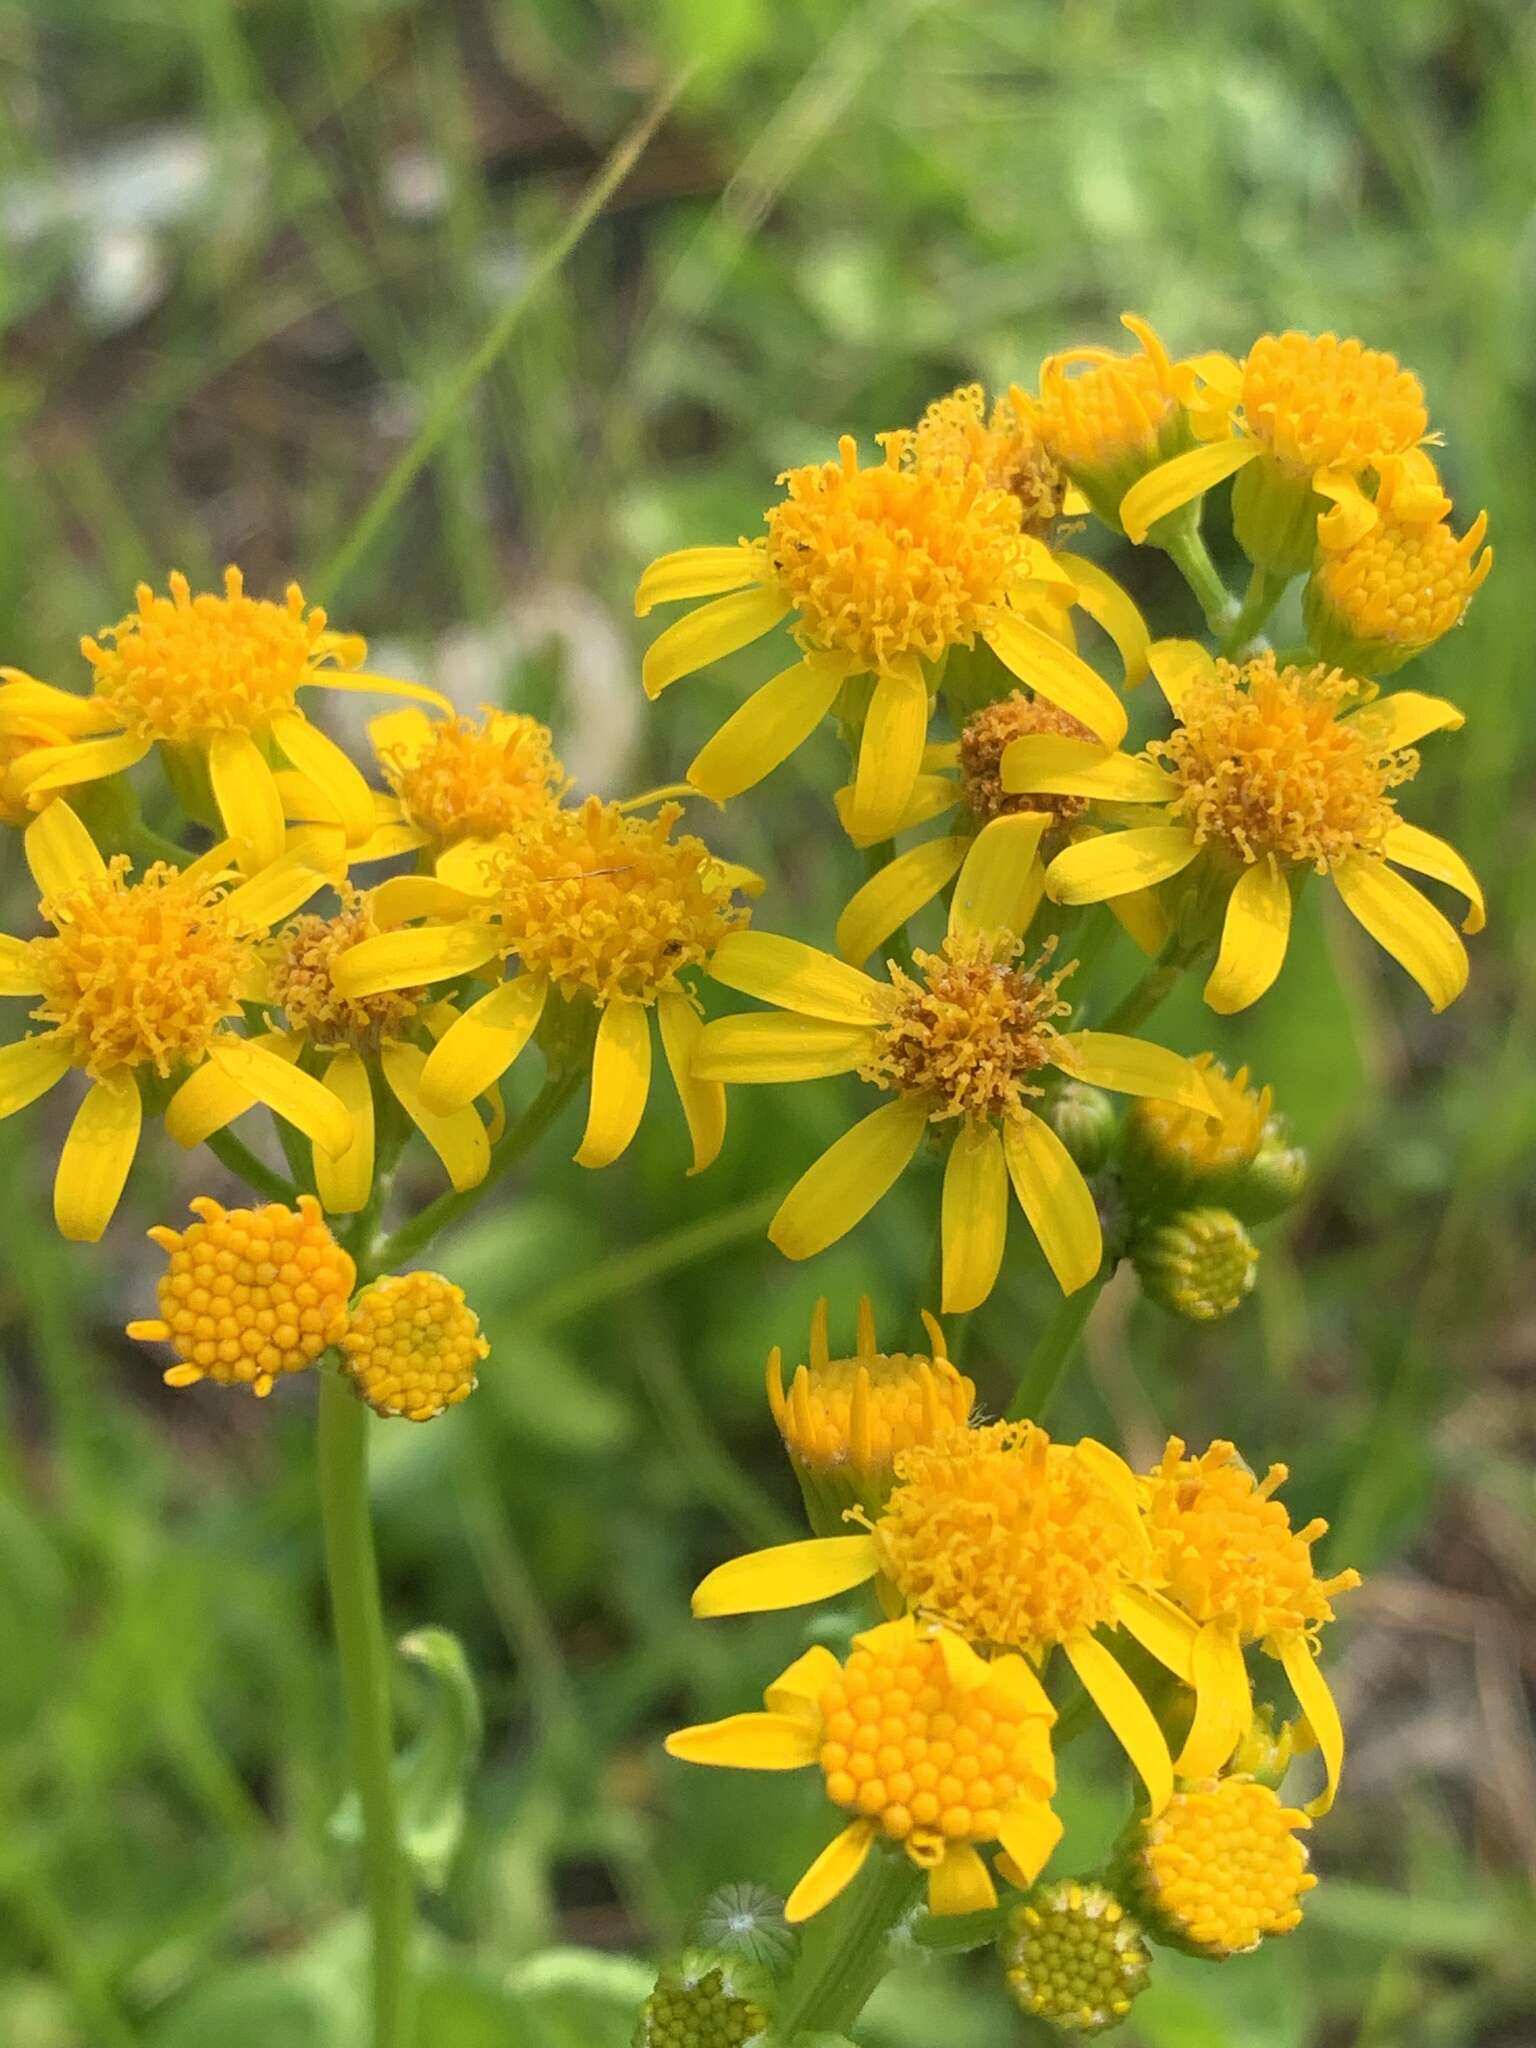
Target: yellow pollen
{"type": "Point", "coordinates": [1097, 409]}
{"type": "Point", "coordinates": [412, 1346]}
{"type": "Point", "coordinates": [300, 958]}
{"type": "Point", "coordinates": [698, 2011]}
{"type": "Point", "coordinates": [1406, 585]}
{"type": "Point", "coordinates": [891, 560]}
{"type": "Point", "coordinates": [969, 1035]}
{"type": "Point", "coordinates": [863, 1411]}
{"type": "Point", "coordinates": [184, 666]}
{"type": "Point", "coordinates": [931, 1764]}
{"type": "Point", "coordinates": [609, 904]}
{"type": "Point", "coordinates": [1206, 1146]}
{"type": "Point", "coordinates": [1074, 1956]}
{"type": "Point", "coordinates": [249, 1293]}
{"type": "Point", "coordinates": [475, 778]}
{"type": "Point", "coordinates": [985, 736]}
{"type": "Point", "coordinates": [140, 974]}
{"type": "Point", "coordinates": [1320, 403]}
{"type": "Point", "coordinates": [1009, 1539]}
{"type": "Point", "coordinates": [1268, 767]}
{"type": "Point", "coordinates": [1222, 1866]}
{"type": "Point", "coordinates": [956, 434]}
{"type": "Point", "coordinates": [1226, 1550]}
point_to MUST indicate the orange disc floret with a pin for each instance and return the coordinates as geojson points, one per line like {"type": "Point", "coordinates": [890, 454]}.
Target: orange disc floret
{"type": "Point", "coordinates": [957, 434]}
{"type": "Point", "coordinates": [1221, 1867]}
{"type": "Point", "coordinates": [468, 778]}
{"type": "Point", "coordinates": [1225, 1548]}
{"type": "Point", "coordinates": [1395, 590]}
{"type": "Point", "coordinates": [984, 739]}
{"type": "Point", "coordinates": [183, 667]}
{"type": "Point", "coordinates": [412, 1346]}
{"type": "Point", "coordinates": [249, 1294]}
{"type": "Point", "coordinates": [140, 974]}
{"type": "Point", "coordinates": [891, 560]}
{"type": "Point", "coordinates": [1317, 402]}
{"type": "Point", "coordinates": [301, 984]}
{"type": "Point", "coordinates": [1012, 1540]}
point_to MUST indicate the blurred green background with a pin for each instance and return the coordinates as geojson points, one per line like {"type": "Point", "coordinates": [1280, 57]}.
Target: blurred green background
{"type": "Point", "coordinates": [250, 249]}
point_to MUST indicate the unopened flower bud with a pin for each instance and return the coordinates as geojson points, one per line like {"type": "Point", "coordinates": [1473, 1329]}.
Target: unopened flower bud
{"type": "Point", "coordinates": [703, 2001]}
{"type": "Point", "coordinates": [1084, 1119]}
{"type": "Point", "coordinates": [1199, 1264]}
{"type": "Point", "coordinates": [1219, 1868]}
{"type": "Point", "coordinates": [1266, 1751]}
{"type": "Point", "coordinates": [1074, 1956]}
{"type": "Point", "coordinates": [1172, 1154]}
{"type": "Point", "coordinates": [745, 1922]}
{"type": "Point", "coordinates": [1274, 1179]}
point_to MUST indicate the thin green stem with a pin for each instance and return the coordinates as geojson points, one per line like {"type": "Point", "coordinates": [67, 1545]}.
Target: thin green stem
{"type": "Point", "coordinates": [1048, 1362]}
{"type": "Point", "coordinates": [1158, 982]}
{"type": "Point", "coordinates": [627, 1271]}
{"type": "Point", "coordinates": [846, 1951]}
{"type": "Point", "coordinates": [235, 1154]}
{"type": "Point", "coordinates": [363, 1654]}
{"type": "Point", "coordinates": [1184, 544]}
{"type": "Point", "coordinates": [1264, 592]}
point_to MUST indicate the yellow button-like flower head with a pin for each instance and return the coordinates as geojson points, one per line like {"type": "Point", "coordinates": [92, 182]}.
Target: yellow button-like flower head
{"type": "Point", "coordinates": [300, 959]}
{"type": "Point", "coordinates": [1107, 419]}
{"type": "Point", "coordinates": [463, 778]}
{"type": "Point", "coordinates": [412, 1346]}
{"type": "Point", "coordinates": [1074, 1956]}
{"type": "Point", "coordinates": [1403, 585]}
{"type": "Point", "coordinates": [1221, 1867]}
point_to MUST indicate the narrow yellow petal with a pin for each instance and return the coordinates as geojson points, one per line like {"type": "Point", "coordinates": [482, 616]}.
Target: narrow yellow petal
{"type": "Point", "coordinates": [1254, 936]}
{"type": "Point", "coordinates": [27, 705]}
{"type": "Point", "coordinates": [762, 1047]}
{"type": "Point", "coordinates": [1132, 1066]}
{"type": "Point", "coordinates": [767, 729]}
{"type": "Point", "coordinates": [93, 1166]}
{"type": "Point", "coordinates": [621, 1082]}
{"type": "Point", "coordinates": [1055, 1198]}
{"type": "Point", "coordinates": [482, 1042]}
{"type": "Point", "coordinates": [1176, 664]}
{"type": "Point", "coordinates": [1102, 598]}
{"type": "Point", "coordinates": [1406, 717]}
{"type": "Point", "coordinates": [330, 770]}
{"type": "Point", "coordinates": [1176, 482]}
{"type": "Point", "coordinates": [932, 795]}
{"type": "Point", "coordinates": [277, 892]}
{"type": "Point", "coordinates": [798, 1690]}
{"type": "Point", "coordinates": [896, 892]}
{"type": "Point", "coordinates": [1223, 1702]}
{"type": "Point", "coordinates": [848, 1180]}
{"type": "Point", "coordinates": [796, 977]}
{"type": "Point", "coordinates": [788, 1575]}
{"type": "Point", "coordinates": [1051, 764]}
{"type": "Point", "coordinates": [703, 1100]}
{"type": "Point", "coordinates": [832, 1872]}
{"type": "Point", "coordinates": [1406, 924]}
{"type": "Point", "coordinates": [1054, 672]}
{"type": "Point", "coordinates": [29, 1068]}
{"type": "Point", "coordinates": [18, 967]}
{"type": "Point", "coordinates": [961, 1882]}
{"type": "Point", "coordinates": [459, 1140]}
{"type": "Point", "coordinates": [709, 634]}
{"type": "Point", "coordinates": [1430, 855]}
{"type": "Point", "coordinates": [401, 959]}
{"type": "Point", "coordinates": [206, 1102]}
{"type": "Point", "coordinates": [345, 1183]}
{"type": "Point", "coordinates": [247, 799]}
{"type": "Point", "coordinates": [974, 1217]}
{"type": "Point", "coordinates": [46, 768]}
{"type": "Point", "coordinates": [1163, 1630]}
{"type": "Point", "coordinates": [747, 1742]}
{"type": "Point", "coordinates": [405, 897]}
{"type": "Point", "coordinates": [696, 572]}
{"type": "Point", "coordinates": [1317, 1703]}
{"type": "Point", "coordinates": [1116, 863]}
{"type": "Point", "coordinates": [1028, 1833]}
{"type": "Point", "coordinates": [890, 750]}
{"type": "Point", "coordinates": [363, 683]}
{"type": "Point", "coordinates": [61, 853]}
{"type": "Point", "coordinates": [1130, 1720]}
{"type": "Point", "coordinates": [1002, 881]}
{"type": "Point", "coordinates": [287, 1090]}
{"type": "Point", "coordinates": [1351, 514]}
{"type": "Point", "coordinates": [402, 734]}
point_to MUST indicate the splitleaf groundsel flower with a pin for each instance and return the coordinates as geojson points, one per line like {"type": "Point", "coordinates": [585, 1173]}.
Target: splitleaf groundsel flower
{"type": "Point", "coordinates": [885, 568]}
{"type": "Point", "coordinates": [598, 906]}
{"type": "Point", "coordinates": [1012, 1542]}
{"type": "Point", "coordinates": [964, 1046]}
{"type": "Point", "coordinates": [138, 984]}
{"type": "Point", "coordinates": [248, 1294]}
{"type": "Point", "coordinates": [1073, 1955]}
{"type": "Point", "coordinates": [1379, 600]}
{"type": "Point", "coordinates": [411, 1346]}
{"type": "Point", "coordinates": [702, 2001]}
{"type": "Point", "coordinates": [34, 715]}
{"type": "Point", "coordinates": [1200, 1264]}
{"type": "Point", "coordinates": [462, 778]}
{"type": "Point", "coordinates": [1173, 1151]}
{"type": "Point", "coordinates": [1221, 1867]}
{"type": "Point", "coordinates": [927, 1746]}
{"type": "Point", "coordinates": [214, 680]}
{"type": "Point", "coordinates": [1229, 1559]}
{"type": "Point", "coordinates": [1270, 772]}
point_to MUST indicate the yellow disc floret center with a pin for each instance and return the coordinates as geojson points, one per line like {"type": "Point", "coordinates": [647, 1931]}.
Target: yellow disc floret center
{"type": "Point", "coordinates": [957, 434]}
{"type": "Point", "coordinates": [1406, 585]}
{"type": "Point", "coordinates": [475, 778]}
{"type": "Point", "coordinates": [1224, 1867]}
{"type": "Point", "coordinates": [1202, 1143]}
{"type": "Point", "coordinates": [863, 1411]}
{"type": "Point", "coordinates": [1320, 403]}
{"type": "Point", "coordinates": [1096, 411]}
{"type": "Point", "coordinates": [412, 1346]}
{"type": "Point", "coordinates": [985, 737]}
{"type": "Point", "coordinates": [300, 960]}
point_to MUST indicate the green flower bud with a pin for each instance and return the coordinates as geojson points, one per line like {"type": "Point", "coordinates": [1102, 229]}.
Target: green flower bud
{"type": "Point", "coordinates": [1086, 1122]}
{"type": "Point", "coordinates": [1273, 1180]}
{"type": "Point", "coordinates": [702, 2001]}
{"type": "Point", "coordinates": [1074, 1956]}
{"type": "Point", "coordinates": [745, 1922]}
{"type": "Point", "coordinates": [1199, 1264]}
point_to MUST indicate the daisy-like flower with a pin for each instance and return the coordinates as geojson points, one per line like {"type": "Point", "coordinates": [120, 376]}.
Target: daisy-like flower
{"type": "Point", "coordinates": [885, 569]}
{"type": "Point", "coordinates": [1269, 773]}
{"type": "Point", "coordinates": [1310, 421]}
{"type": "Point", "coordinates": [599, 907]}
{"type": "Point", "coordinates": [466, 778]}
{"type": "Point", "coordinates": [1377, 601]}
{"type": "Point", "coordinates": [214, 680]}
{"type": "Point", "coordinates": [138, 984]}
{"type": "Point", "coordinates": [930, 1748]}
{"type": "Point", "coordinates": [1221, 1868]}
{"type": "Point", "coordinates": [965, 1047]}
{"type": "Point", "coordinates": [1013, 1543]}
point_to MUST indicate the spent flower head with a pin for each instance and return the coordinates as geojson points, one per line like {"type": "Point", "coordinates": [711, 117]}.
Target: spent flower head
{"type": "Point", "coordinates": [1073, 1955]}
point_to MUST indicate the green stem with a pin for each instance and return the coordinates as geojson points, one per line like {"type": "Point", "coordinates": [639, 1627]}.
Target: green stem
{"type": "Point", "coordinates": [1264, 592]}
{"type": "Point", "coordinates": [363, 1654]}
{"type": "Point", "coordinates": [845, 1951]}
{"type": "Point", "coordinates": [234, 1153]}
{"type": "Point", "coordinates": [1184, 544]}
{"type": "Point", "coordinates": [1158, 982]}
{"type": "Point", "coordinates": [1047, 1363]}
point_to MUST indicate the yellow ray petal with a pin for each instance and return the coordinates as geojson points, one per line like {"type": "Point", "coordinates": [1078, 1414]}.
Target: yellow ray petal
{"type": "Point", "coordinates": [1002, 881]}
{"type": "Point", "coordinates": [401, 959]}
{"type": "Point", "coordinates": [247, 799]}
{"type": "Point", "coordinates": [798, 1690]}
{"type": "Point", "coordinates": [896, 892]}
{"type": "Point", "coordinates": [747, 1742]}
{"type": "Point", "coordinates": [1028, 1833]}
{"type": "Point", "coordinates": [1130, 1719]}
{"type": "Point", "coordinates": [787, 1047]}
{"type": "Point", "coordinates": [1351, 515]}
{"type": "Point", "coordinates": [1254, 936]}
{"type": "Point", "coordinates": [345, 1183]}
{"type": "Point", "coordinates": [621, 1082]}
{"type": "Point", "coordinates": [1406, 924]}
{"type": "Point", "coordinates": [287, 1091]}
{"type": "Point", "coordinates": [469, 865]}
{"type": "Point", "coordinates": [45, 768]}
{"type": "Point", "coordinates": [788, 1575]}
{"type": "Point", "coordinates": [974, 1217]}
{"type": "Point", "coordinates": [1317, 1703]}
{"type": "Point", "coordinates": [1141, 916]}
{"type": "Point", "coordinates": [1013, 1677]}
{"type": "Point", "coordinates": [961, 1882]}
{"type": "Point", "coordinates": [796, 977]}
{"type": "Point", "coordinates": [1055, 1198]}
{"type": "Point", "coordinates": [932, 795]}
{"type": "Point", "coordinates": [1223, 1702]}
{"type": "Point", "coordinates": [1116, 863]}
{"type": "Point", "coordinates": [61, 853]}
{"type": "Point", "coordinates": [404, 734]}
{"type": "Point", "coordinates": [18, 967]}
{"type": "Point", "coordinates": [277, 892]}
{"type": "Point", "coordinates": [1429, 855]}
{"type": "Point", "coordinates": [890, 750]}
{"type": "Point", "coordinates": [364, 683]}
{"type": "Point", "coordinates": [480, 1044]}
{"type": "Point", "coordinates": [848, 1180]}
{"type": "Point", "coordinates": [1053, 671]}
{"type": "Point", "coordinates": [832, 1872]}
{"type": "Point", "coordinates": [26, 704]}
{"type": "Point", "coordinates": [1175, 483]}
{"type": "Point", "coordinates": [97, 1154]}
{"type": "Point", "coordinates": [1176, 664]}
{"type": "Point", "coordinates": [1132, 1066]}
{"type": "Point", "coordinates": [703, 1100]}
{"type": "Point", "coordinates": [708, 635]}
{"type": "Point", "coordinates": [1405, 717]}
{"type": "Point", "coordinates": [1051, 764]}
{"type": "Point", "coordinates": [459, 1140]}
{"type": "Point", "coordinates": [29, 1068]}
{"type": "Point", "coordinates": [330, 770]}
{"type": "Point", "coordinates": [768, 727]}
{"type": "Point", "coordinates": [1163, 1630]}
{"type": "Point", "coordinates": [695, 572]}
{"type": "Point", "coordinates": [1101, 597]}
{"type": "Point", "coordinates": [405, 897]}
{"type": "Point", "coordinates": [208, 1099]}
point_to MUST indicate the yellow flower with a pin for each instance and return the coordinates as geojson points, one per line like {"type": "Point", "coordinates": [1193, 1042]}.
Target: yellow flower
{"type": "Point", "coordinates": [930, 1749]}
{"type": "Point", "coordinates": [33, 715]}
{"type": "Point", "coordinates": [1228, 1557]}
{"type": "Point", "coordinates": [957, 434]}
{"type": "Point", "coordinates": [412, 1345]}
{"type": "Point", "coordinates": [1221, 1867]}
{"type": "Point", "coordinates": [964, 1047]}
{"type": "Point", "coordinates": [1379, 600]}
{"type": "Point", "coordinates": [139, 981]}
{"type": "Point", "coordinates": [886, 569]}
{"type": "Point", "coordinates": [1310, 420]}
{"type": "Point", "coordinates": [1074, 1956]}
{"type": "Point", "coordinates": [215, 681]}
{"type": "Point", "coordinates": [248, 1294]}
{"type": "Point", "coordinates": [462, 778]}
{"type": "Point", "coordinates": [600, 907]}
{"type": "Point", "coordinates": [1271, 772]}
{"type": "Point", "coordinates": [1183, 1151]}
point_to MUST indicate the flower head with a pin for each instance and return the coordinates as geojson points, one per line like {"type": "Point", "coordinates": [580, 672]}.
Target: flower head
{"type": "Point", "coordinates": [248, 1294]}
{"type": "Point", "coordinates": [1074, 1956]}
{"type": "Point", "coordinates": [1184, 1150]}
{"type": "Point", "coordinates": [1199, 1263]}
{"type": "Point", "coordinates": [957, 433]}
{"type": "Point", "coordinates": [464, 778]}
{"type": "Point", "coordinates": [985, 738]}
{"type": "Point", "coordinates": [702, 2001]}
{"type": "Point", "coordinates": [300, 959]}
{"type": "Point", "coordinates": [1378, 601]}
{"type": "Point", "coordinates": [1107, 419]}
{"type": "Point", "coordinates": [1221, 1867]}
{"type": "Point", "coordinates": [412, 1345]}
